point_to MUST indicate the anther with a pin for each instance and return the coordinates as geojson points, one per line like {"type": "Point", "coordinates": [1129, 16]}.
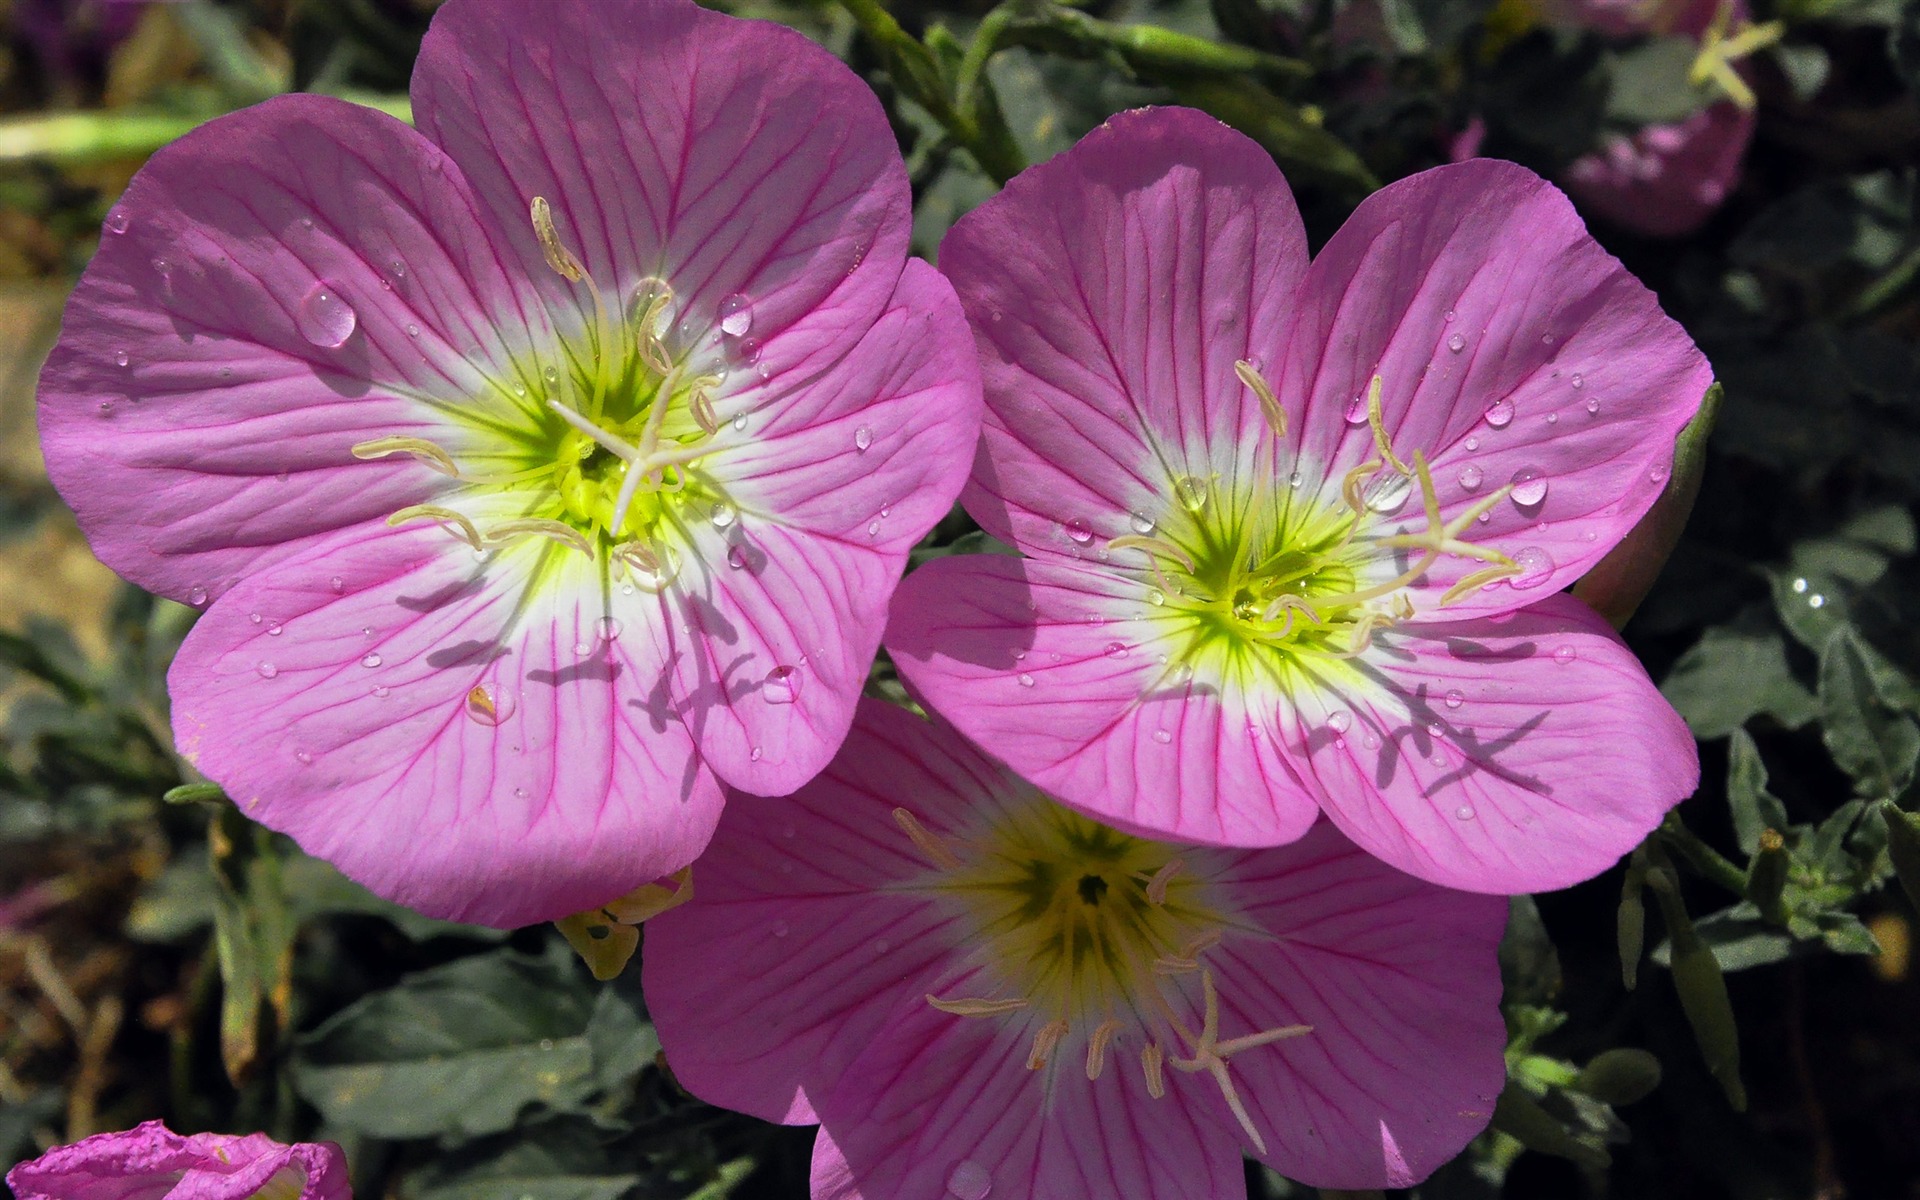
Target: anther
{"type": "Point", "coordinates": [937, 851]}
{"type": "Point", "coordinates": [1097, 1046]}
{"type": "Point", "coordinates": [559, 257]}
{"type": "Point", "coordinates": [566, 535]}
{"type": "Point", "coordinates": [703, 413]}
{"type": "Point", "coordinates": [420, 448]}
{"type": "Point", "coordinates": [1159, 547]}
{"type": "Point", "coordinates": [1376, 418]}
{"type": "Point", "coordinates": [458, 522]}
{"type": "Point", "coordinates": [1044, 1041]}
{"type": "Point", "coordinates": [1157, 885]}
{"type": "Point", "coordinates": [1718, 53]}
{"type": "Point", "coordinates": [658, 570]}
{"type": "Point", "coordinates": [1263, 391]}
{"type": "Point", "coordinates": [967, 1006]}
{"type": "Point", "coordinates": [1153, 1066]}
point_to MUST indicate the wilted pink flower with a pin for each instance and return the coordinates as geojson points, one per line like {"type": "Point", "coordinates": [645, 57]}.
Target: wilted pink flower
{"type": "Point", "coordinates": [1294, 533]}
{"type": "Point", "coordinates": [538, 467]}
{"type": "Point", "coordinates": [978, 992]}
{"type": "Point", "coordinates": [151, 1162]}
{"type": "Point", "coordinates": [1667, 179]}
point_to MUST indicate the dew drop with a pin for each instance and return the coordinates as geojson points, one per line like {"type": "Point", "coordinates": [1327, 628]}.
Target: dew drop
{"type": "Point", "coordinates": [1577, 381]}
{"type": "Point", "coordinates": [1553, 418]}
{"type": "Point", "coordinates": [1565, 654]}
{"type": "Point", "coordinates": [121, 358]}
{"type": "Point", "coordinates": [722, 514]}
{"type": "Point", "coordinates": [740, 423]}
{"type": "Point", "coordinates": [1116, 650]}
{"type": "Point", "coordinates": [873, 529]}
{"type": "Point", "coordinates": [1435, 729]}
{"type": "Point", "coordinates": [1456, 343]}
{"type": "Point", "coordinates": [1499, 414]}
{"type": "Point", "coordinates": [1026, 680]}
{"type": "Point", "coordinates": [1439, 759]}
{"type": "Point", "coordinates": [1340, 721]}
{"type": "Point", "coordinates": [781, 686]}
{"type": "Point", "coordinates": [1800, 585]}
{"type": "Point", "coordinates": [780, 929]}
{"type": "Point", "coordinates": [1593, 406]}
{"type": "Point", "coordinates": [1535, 567]}
{"type": "Point", "coordinates": [1471, 477]}
{"type": "Point", "coordinates": [1816, 601]}
{"type": "Point", "coordinates": [749, 351]}
{"type": "Point", "coordinates": [256, 618]}
{"type": "Point", "coordinates": [1079, 531]}
{"type": "Point", "coordinates": [163, 266]}
{"type": "Point", "coordinates": [303, 757]}
{"type": "Point", "coordinates": [1472, 443]}
{"type": "Point", "coordinates": [736, 315]}
{"type": "Point", "coordinates": [1546, 339]}
{"type": "Point", "coordinates": [413, 330]}
{"type": "Point", "coordinates": [754, 754]}
{"type": "Point", "coordinates": [275, 629]}
{"type": "Point", "coordinates": [1356, 412]}
{"type": "Point", "coordinates": [1140, 523]}
{"type": "Point", "coordinates": [1162, 736]}
{"type": "Point", "coordinates": [521, 793]}
{"type": "Point", "coordinates": [551, 374]}
{"type": "Point", "coordinates": [1529, 487]}
{"type": "Point", "coordinates": [1156, 597]}
{"type": "Point", "coordinates": [1388, 493]}
{"type": "Point", "coordinates": [381, 691]}
{"type": "Point", "coordinates": [324, 319]}
{"type": "Point", "coordinates": [370, 661]}
{"type": "Point", "coordinates": [1193, 493]}
{"type": "Point", "coordinates": [265, 670]}
{"type": "Point", "coordinates": [1455, 698]}
{"type": "Point", "coordinates": [488, 704]}
{"type": "Point", "coordinates": [1450, 314]}
{"type": "Point", "coordinates": [1658, 473]}
{"type": "Point", "coordinates": [118, 221]}
{"type": "Point", "coordinates": [862, 438]}
{"type": "Point", "coordinates": [1464, 812]}
{"type": "Point", "coordinates": [1295, 480]}
{"type": "Point", "coordinates": [397, 268]}
{"type": "Point", "coordinates": [106, 408]}
{"type": "Point", "coordinates": [607, 629]}
{"type": "Point", "coordinates": [969, 1181]}
{"type": "Point", "coordinates": [735, 558]}
{"type": "Point", "coordinates": [196, 596]}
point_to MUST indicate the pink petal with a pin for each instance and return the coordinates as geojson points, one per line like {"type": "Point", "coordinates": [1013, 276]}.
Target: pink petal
{"type": "Point", "coordinates": [792, 899]}
{"type": "Point", "coordinates": [1666, 180]}
{"type": "Point", "coordinates": [1487, 256]}
{"type": "Point", "coordinates": [188, 417]}
{"type": "Point", "coordinates": [1058, 670]}
{"type": "Point", "coordinates": [1400, 982]}
{"type": "Point", "coordinates": [1111, 290]}
{"type": "Point", "coordinates": [848, 474]}
{"type": "Point", "coordinates": [1557, 754]}
{"type": "Point", "coordinates": [151, 1162]}
{"type": "Point", "coordinates": [368, 749]}
{"type": "Point", "coordinates": [729, 157]}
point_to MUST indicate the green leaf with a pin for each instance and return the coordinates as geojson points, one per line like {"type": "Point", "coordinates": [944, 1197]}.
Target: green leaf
{"type": "Point", "coordinates": [1811, 606]}
{"type": "Point", "coordinates": [1739, 938]}
{"type": "Point", "coordinates": [1869, 740]}
{"type": "Point", "coordinates": [1731, 676]}
{"type": "Point", "coordinates": [1755, 809]}
{"type": "Point", "coordinates": [1529, 965]}
{"type": "Point", "coordinates": [462, 1050]}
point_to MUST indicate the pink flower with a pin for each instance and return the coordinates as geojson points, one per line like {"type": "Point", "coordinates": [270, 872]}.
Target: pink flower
{"type": "Point", "coordinates": [1294, 534]}
{"type": "Point", "coordinates": [541, 468]}
{"type": "Point", "coordinates": [151, 1162]}
{"type": "Point", "coordinates": [978, 992]}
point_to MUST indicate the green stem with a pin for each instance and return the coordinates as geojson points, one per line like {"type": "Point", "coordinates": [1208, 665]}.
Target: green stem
{"type": "Point", "coordinates": [1702, 857]}
{"type": "Point", "coordinates": [1150, 48]}
{"type": "Point", "coordinates": [77, 138]}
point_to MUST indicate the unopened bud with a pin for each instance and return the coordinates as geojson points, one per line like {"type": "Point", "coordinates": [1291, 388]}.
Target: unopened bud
{"type": "Point", "coordinates": [1622, 1075]}
{"type": "Point", "coordinates": [1767, 876]}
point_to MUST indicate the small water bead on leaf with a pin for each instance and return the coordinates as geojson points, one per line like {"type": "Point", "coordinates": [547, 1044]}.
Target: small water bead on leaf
{"type": "Point", "coordinates": [489, 704]}
{"type": "Point", "coordinates": [862, 439]}
{"type": "Point", "coordinates": [118, 221]}
{"type": "Point", "coordinates": [969, 1181]}
{"type": "Point", "coordinates": [1026, 680]}
{"type": "Point", "coordinates": [722, 514]}
{"type": "Point", "coordinates": [1456, 343]}
{"type": "Point", "coordinates": [1471, 477]}
{"type": "Point", "coordinates": [1536, 567]}
{"type": "Point", "coordinates": [324, 319]}
{"type": "Point", "coordinates": [736, 315]}
{"type": "Point", "coordinates": [1079, 532]}
{"type": "Point", "coordinates": [1565, 654]}
{"type": "Point", "coordinates": [781, 686]}
{"type": "Point", "coordinates": [370, 661]}
{"type": "Point", "coordinates": [1499, 414]}
{"type": "Point", "coordinates": [1140, 523]}
{"type": "Point", "coordinates": [1816, 601]}
{"type": "Point", "coordinates": [1455, 698]}
{"type": "Point", "coordinates": [1529, 487]}
{"type": "Point", "coordinates": [265, 670]}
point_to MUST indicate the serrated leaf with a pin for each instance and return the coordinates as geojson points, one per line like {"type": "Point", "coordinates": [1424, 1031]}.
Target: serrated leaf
{"type": "Point", "coordinates": [464, 1049]}
{"type": "Point", "coordinates": [1869, 740]}
{"type": "Point", "coordinates": [1730, 676]}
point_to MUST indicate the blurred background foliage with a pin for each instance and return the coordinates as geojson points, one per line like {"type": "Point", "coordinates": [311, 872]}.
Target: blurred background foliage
{"type": "Point", "coordinates": [1733, 1012]}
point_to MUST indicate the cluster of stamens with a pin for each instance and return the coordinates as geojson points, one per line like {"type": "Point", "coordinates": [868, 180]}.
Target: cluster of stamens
{"type": "Point", "coordinates": [1300, 587]}
{"type": "Point", "coordinates": [563, 502]}
{"type": "Point", "coordinates": [1072, 961]}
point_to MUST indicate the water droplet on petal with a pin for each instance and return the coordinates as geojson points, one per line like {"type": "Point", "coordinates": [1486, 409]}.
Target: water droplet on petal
{"type": "Point", "coordinates": [740, 423]}
{"type": "Point", "coordinates": [1593, 406]}
{"type": "Point", "coordinates": [1499, 414]}
{"type": "Point", "coordinates": [121, 358]}
{"type": "Point", "coordinates": [118, 221]}
{"type": "Point", "coordinates": [1435, 729]}
{"type": "Point", "coordinates": [607, 629]}
{"type": "Point", "coordinates": [1162, 736]}
{"type": "Point", "coordinates": [1472, 443]}
{"type": "Point", "coordinates": [1455, 698]}
{"type": "Point", "coordinates": [735, 559]}
{"type": "Point", "coordinates": [754, 754]}
{"type": "Point", "coordinates": [969, 1181]}
{"type": "Point", "coordinates": [1356, 411]}
{"type": "Point", "coordinates": [1800, 585]}
{"type": "Point", "coordinates": [1295, 480]}
{"type": "Point", "coordinates": [303, 757]}
{"type": "Point", "coordinates": [781, 686]}
{"type": "Point", "coordinates": [1565, 654]}
{"type": "Point", "coordinates": [1464, 812]}
{"type": "Point", "coordinates": [1450, 314]}
{"type": "Point", "coordinates": [1140, 523]}
{"type": "Point", "coordinates": [381, 691]}
{"type": "Point", "coordinates": [1529, 487]}
{"type": "Point", "coordinates": [1340, 721]}
{"type": "Point", "coordinates": [397, 268]}
{"type": "Point", "coordinates": [780, 929]}
{"type": "Point", "coordinates": [1658, 473]}
{"type": "Point", "coordinates": [1156, 597]}
{"type": "Point", "coordinates": [722, 514]}
{"type": "Point", "coordinates": [862, 438]}
{"type": "Point", "coordinates": [488, 704]}
{"type": "Point", "coordinates": [1193, 493]}
{"type": "Point", "coordinates": [256, 618]}
{"type": "Point", "coordinates": [736, 315]}
{"type": "Point", "coordinates": [196, 596]}
{"type": "Point", "coordinates": [164, 267]}
{"type": "Point", "coordinates": [324, 319]}
{"type": "Point", "coordinates": [1456, 343]}
{"type": "Point", "coordinates": [1536, 566]}
{"type": "Point", "coordinates": [873, 529]}
{"type": "Point", "coordinates": [413, 330]}
{"type": "Point", "coordinates": [1553, 418]}
{"type": "Point", "coordinates": [275, 629]}
{"type": "Point", "coordinates": [1116, 650]}
{"type": "Point", "coordinates": [370, 661]}
{"type": "Point", "coordinates": [1388, 493]}
{"type": "Point", "coordinates": [265, 670]}
{"type": "Point", "coordinates": [1471, 477]}
{"type": "Point", "coordinates": [551, 374]}
{"type": "Point", "coordinates": [1079, 531]}
{"type": "Point", "coordinates": [1577, 381]}
{"type": "Point", "coordinates": [1026, 680]}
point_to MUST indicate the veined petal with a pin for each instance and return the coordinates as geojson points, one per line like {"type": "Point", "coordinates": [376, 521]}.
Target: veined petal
{"type": "Point", "coordinates": [728, 157]}
{"type": "Point", "coordinates": [1555, 753]}
{"type": "Point", "coordinates": [151, 1162]}
{"type": "Point", "coordinates": [1665, 180]}
{"type": "Point", "coordinates": [288, 281]}
{"type": "Point", "coordinates": [460, 737]}
{"type": "Point", "coordinates": [1510, 348]}
{"type": "Point", "coordinates": [1111, 291]}
{"type": "Point", "coordinates": [1062, 672]}
{"type": "Point", "coordinates": [1400, 982]}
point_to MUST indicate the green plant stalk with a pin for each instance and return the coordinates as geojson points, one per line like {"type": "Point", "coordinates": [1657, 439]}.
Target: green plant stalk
{"type": "Point", "coordinates": [1710, 863]}
{"type": "Point", "coordinates": [1767, 877]}
{"type": "Point", "coordinates": [1703, 990]}
{"type": "Point", "coordinates": [79, 138]}
{"type": "Point", "coordinates": [1149, 48]}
